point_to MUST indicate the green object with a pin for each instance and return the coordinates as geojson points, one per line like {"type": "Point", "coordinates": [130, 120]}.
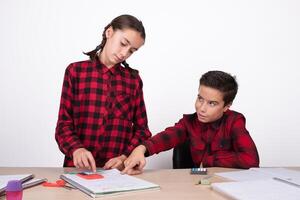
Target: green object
{"type": "Point", "coordinates": [204, 182]}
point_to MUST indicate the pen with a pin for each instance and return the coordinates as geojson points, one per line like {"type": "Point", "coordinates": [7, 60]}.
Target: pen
{"type": "Point", "coordinates": [286, 181]}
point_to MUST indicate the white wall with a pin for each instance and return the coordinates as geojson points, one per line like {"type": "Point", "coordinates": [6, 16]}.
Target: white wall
{"type": "Point", "coordinates": [256, 40]}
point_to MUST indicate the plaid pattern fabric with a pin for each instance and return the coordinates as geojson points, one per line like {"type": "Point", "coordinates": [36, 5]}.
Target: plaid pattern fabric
{"type": "Point", "coordinates": [223, 143]}
{"type": "Point", "coordinates": [102, 110]}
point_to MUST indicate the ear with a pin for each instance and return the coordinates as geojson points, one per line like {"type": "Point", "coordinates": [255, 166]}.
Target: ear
{"type": "Point", "coordinates": [227, 107]}
{"type": "Point", "coordinates": [109, 32]}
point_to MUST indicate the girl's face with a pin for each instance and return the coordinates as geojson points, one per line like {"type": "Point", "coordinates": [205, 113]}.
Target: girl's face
{"type": "Point", "coordinates": [120, 45]}
{"type": "Point", "coordinates": [209, 104]}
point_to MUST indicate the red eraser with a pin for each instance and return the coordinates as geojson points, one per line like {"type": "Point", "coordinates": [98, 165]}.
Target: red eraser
{"type": "Point", "coordinates": [90, 176]}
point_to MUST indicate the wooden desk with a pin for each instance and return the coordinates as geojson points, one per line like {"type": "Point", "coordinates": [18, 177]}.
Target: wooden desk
{"type": "Point", "coordinates": [175, 184]}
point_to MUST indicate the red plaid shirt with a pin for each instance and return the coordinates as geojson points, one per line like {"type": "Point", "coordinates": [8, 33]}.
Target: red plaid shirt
{"type": "Point", "coordinates": [223, 143]}
{"type": "Point", "coordinates": [102, 110]}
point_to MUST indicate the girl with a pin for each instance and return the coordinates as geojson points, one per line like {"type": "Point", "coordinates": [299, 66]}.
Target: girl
{"type": "Point", "coordinates": [102, 114]}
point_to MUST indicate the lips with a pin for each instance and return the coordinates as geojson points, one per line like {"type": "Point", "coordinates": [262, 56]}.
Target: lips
{"type": "Point", "coordinates": [118, 59]}
{"type": "Point", "coordinates": [201, 116]}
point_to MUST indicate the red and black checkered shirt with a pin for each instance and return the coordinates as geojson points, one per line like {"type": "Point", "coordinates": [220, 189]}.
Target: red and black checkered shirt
{"type": "Point", "coordinates": [102, 110]}
{"type": "Point", "coordinates": [223, 143]}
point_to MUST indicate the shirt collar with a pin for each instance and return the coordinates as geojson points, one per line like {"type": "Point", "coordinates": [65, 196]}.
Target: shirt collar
{"type": "Point", "coordinates": [103, 69]}
{"type": "Point", "coordinates": [213, 125]}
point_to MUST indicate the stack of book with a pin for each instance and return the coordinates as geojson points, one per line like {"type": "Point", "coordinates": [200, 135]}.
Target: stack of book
{"type": "Point", "coordinates": [27, 180]}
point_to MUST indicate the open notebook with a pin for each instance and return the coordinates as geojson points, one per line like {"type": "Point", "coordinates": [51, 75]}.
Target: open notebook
{"type": "Point", "coordinates": [260, 183]}
{"type": "Point", "coordinates": [112, 183]}
{"type": "Point", "coordinates": [283, 174]}
{"type": "Point", "coordinates": [262, 189]}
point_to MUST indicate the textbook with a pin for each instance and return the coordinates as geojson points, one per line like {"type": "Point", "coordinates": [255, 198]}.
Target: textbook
{"type": "Point", "coordinates": [5, 178]}
{"type": "Point", "coordinates": [107, 182]}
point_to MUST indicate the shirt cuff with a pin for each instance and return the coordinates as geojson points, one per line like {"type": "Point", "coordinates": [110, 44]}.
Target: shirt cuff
{"type": "Point", "coordinates": [72, 149]}
{"type": "Point", "coordinates": [149, 148]}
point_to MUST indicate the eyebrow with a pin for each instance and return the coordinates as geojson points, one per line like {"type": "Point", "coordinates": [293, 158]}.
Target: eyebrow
{"type": "Point", "coordinates": [210, 101]}
{"type": "Point", "coordinates": [130, 44]}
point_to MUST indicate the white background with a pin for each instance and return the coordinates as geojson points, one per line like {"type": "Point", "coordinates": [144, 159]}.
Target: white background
{"type": "Point", "coordinates": [256, 40]}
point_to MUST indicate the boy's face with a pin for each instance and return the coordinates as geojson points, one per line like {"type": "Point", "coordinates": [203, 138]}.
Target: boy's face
{"type": "Point", "coordinates": [209, 104]}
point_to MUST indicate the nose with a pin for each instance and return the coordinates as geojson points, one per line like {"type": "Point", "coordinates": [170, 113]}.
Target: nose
{"type": "Point", "coordinates": [124, 53]}
{"type": "Point", "coordinates": [202, 107]}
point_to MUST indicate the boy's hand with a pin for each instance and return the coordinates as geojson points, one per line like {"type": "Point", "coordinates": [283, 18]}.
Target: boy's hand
{"type": "Point", "coordinates": [135, 163]}
{"type": "Point", "coordinates": [83, 158]}
{"type": "Point", "coordinates": [115, 163]}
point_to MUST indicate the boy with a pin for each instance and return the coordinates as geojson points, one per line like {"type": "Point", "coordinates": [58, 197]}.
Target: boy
{"type": "Point", "coordinates": [218, 136]}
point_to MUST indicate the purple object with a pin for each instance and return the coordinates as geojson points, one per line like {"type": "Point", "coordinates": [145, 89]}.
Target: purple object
{"type": "Point", "coordinates": [14, 190]}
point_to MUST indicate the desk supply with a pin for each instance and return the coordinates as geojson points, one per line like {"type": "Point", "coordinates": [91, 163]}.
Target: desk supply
{"type": "Point", "coordinates": [205, 180]}
{"type": "Point", "coordinates": [33, 182]}
{"type": "Point", "coordinates": [291, 182]}
{"type": "Point", "coordinates": [14, 190]}
{"type": "Point", "coordinates": [19, 177]}
{"type": "Point", "coordinates": [113, 182]}
{"type": "Point", "coordinates": [201, 171]}
{"type": "Point", "coordinates": [58, 183]}
{"type": "Point", "coordinates": [90, 176]}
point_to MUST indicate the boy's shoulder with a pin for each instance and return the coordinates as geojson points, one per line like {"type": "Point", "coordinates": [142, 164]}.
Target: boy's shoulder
{"type": "Point", "coordinates": [189, 118]}
{"type": "Point", "coordinates": [233, 114]}
{"type": "Point", "coordinates": [231, 117]}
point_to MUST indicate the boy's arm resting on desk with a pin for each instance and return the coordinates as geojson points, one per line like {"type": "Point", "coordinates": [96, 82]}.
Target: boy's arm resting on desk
{"type": "Point", "coordinates": [244, 153]}
{"type": "Point", "coordinates": [65, 136]}
{"type": "Point", "coordinates": [140, 128]}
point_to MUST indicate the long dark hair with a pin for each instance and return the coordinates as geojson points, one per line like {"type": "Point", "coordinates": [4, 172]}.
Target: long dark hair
{"type": "Point", "coordinates": [119, 23]}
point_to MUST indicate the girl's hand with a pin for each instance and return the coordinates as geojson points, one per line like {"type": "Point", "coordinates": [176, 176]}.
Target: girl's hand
{"type": "Point", "coordinates": [83, 158]}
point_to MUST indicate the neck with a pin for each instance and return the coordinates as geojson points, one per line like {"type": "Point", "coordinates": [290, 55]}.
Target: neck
{"type": "Point", "coordinates": [103, 59]}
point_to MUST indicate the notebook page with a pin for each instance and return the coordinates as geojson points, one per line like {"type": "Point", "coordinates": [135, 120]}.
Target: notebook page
{"type": "Point", "coordinates": [258, 190]}
{"type": "Point", "coordinates": [244, 175]}
{"type": "Point", "coordinates": [112, 182]}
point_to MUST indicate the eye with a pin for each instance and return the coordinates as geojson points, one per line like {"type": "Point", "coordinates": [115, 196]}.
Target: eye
{"type": "Point", "coordinates": [213, 103]}
{"type": "Point", "coordinates": [200, 99]}
{"type": "Point", "coordinates": [123, 44]}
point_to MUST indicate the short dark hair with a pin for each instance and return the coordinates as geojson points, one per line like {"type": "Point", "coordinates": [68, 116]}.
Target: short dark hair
{"type": "Point", "coordinates": [223, 82]}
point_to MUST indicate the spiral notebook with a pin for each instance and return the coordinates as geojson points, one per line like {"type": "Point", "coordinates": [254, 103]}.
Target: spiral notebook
{"type": "Point", "coordinates": [111, 182]}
